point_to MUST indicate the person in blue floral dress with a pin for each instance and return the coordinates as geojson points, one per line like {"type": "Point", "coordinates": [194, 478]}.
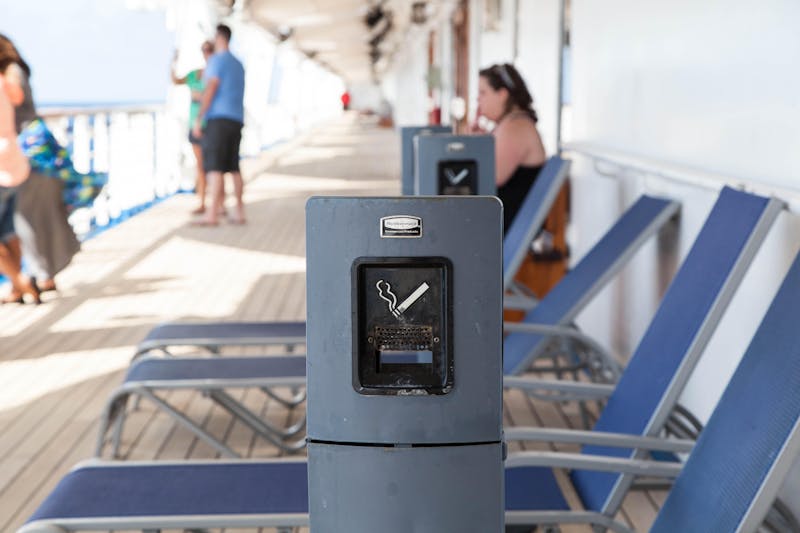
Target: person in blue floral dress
{"type": "Point", "coordinates": [48, 157]}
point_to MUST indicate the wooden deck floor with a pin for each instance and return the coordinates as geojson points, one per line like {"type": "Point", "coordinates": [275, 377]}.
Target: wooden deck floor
{"type": "Point", "coordinates": [59, 361]}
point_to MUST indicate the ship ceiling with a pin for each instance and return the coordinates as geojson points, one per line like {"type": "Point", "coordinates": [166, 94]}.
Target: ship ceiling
{"type": "Point", "coordinates": [357, 39]}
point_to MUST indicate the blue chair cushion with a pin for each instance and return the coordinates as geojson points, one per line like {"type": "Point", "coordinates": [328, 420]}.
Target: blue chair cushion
{"type": "Point", "coordinates": [222, 330]}
{"type": "Point", "coordinates": [216, 368]}
{"type": "Point", "coordinates": [179, 490]}
{"type": "Point", "coordinates": [533, 488]}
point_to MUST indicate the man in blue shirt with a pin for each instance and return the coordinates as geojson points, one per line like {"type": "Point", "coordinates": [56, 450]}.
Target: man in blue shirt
{"type": "Point", "coordinates": [222, 109]}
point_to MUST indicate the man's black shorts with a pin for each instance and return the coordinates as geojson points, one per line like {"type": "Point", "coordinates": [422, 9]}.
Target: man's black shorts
{"type": "Point", "coordinates": [221, 140]}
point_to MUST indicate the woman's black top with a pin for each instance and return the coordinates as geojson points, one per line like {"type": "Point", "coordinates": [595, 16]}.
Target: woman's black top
{"type": "Point", "coordinates": [513, 192]}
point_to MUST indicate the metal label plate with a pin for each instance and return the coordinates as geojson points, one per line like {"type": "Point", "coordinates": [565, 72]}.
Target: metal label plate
{"type": "Point", "coordinates": [401, 227]}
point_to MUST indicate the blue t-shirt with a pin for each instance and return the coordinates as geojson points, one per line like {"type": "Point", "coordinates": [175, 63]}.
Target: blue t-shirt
{"type": "Point", "coordinates": [228, 101]}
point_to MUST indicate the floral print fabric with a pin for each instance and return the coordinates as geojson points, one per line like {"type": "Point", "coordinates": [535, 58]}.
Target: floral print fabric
{"type": "Point", "coordinates": [51, 159]}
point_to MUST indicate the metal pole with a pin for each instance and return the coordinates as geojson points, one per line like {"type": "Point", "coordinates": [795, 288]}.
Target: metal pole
{"type": "Point", "coordinates": [561, 32]}
{"type": "Point", "coordinates": [515, 34]}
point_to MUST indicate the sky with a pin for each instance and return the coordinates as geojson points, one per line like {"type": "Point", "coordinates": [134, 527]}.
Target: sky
{"type": "Point", "coordinates": [90, 51]}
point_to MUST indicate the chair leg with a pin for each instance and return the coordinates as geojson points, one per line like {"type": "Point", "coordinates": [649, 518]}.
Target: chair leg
{"type": "Point", "coordinates": [116, 438]}
{"type": "Point", "coordinates": [234, 407]}
{"type": "Point", "coordinates": [189, 424]}
{"type": "Point", "coordinates": [299, 396]}
{"type": "Point", "coordinates": [261, 427]}
{"type": "Point", "coordinates": [780, 519]}
{"type": "Point", "coordinates": [114, 410]}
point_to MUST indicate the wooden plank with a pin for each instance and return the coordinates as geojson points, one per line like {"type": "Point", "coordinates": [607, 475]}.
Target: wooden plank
{"type": "Point", "coordinates": [41, 455]}
{"type": "Point", "coordinates": [639, 510]}
{"type": "Point", "coordinates": [147, 429]}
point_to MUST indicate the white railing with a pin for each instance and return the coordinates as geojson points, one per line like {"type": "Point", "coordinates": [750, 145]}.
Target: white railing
{"type": "Point", "coordinates": [614, 163]}
{"type": "Point", "coordinates": [140, 147]}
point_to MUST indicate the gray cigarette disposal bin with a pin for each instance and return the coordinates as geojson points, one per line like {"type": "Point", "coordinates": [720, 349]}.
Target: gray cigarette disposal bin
{"type": "Point", "coordinates": [407, 135]}
{"type": "Point", "coordinates": [454, 165]}
{"type": "Point", "coordinates": [404, 366]}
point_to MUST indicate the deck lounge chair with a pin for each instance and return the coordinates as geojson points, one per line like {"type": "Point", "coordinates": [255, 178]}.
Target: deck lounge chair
{"type": "Point", "coordinates": [640, 222]}
{"type": "Point", "coordinates": [734, 471]}
{"type": "Point", "coordinates": [676, 337]}
{"type": "Point", "coordinates": [212, 336]}
{"type": "Point", "coordinates": [725, 246]}
{"type": "Point", "coordinates": [100, 495]}
{"type": "Point", "coordinates": [149, 376]}
{"type": "Point", "coordinates": [670, 348]}
{"type": "Point", "coordinates": [736, 467]}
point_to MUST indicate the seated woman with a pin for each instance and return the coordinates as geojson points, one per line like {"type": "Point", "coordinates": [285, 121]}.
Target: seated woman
{"type": "Point", "coordinates": [504, 99]}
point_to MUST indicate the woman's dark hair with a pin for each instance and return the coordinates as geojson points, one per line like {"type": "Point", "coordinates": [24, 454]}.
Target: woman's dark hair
{"type": "Point", "coordinates": [505, 76]}
{"type": "Point", "coordinates": [9, 54]}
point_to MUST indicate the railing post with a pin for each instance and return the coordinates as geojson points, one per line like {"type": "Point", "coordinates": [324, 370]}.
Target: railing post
{"type": "Point", "coordinates": [108, 143]}
{"type": "Point", "coordinates": [90, 134]}
{"type": "Point", "coordinates": [71, 135]}
{"type": "Point", "coordinates": [154, 119]}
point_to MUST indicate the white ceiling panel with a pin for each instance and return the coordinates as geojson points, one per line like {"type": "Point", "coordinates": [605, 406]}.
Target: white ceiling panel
{"type": "Point", "coordinates": [334, 32]}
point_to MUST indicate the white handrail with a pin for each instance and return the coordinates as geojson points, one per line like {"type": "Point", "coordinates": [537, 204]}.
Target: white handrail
{"type": "Point", "coordinates": [139, 146]}
{"type": "Point", "coordinates": [60, 112]}
{"type": "Point", "coordinates": [619, 161]}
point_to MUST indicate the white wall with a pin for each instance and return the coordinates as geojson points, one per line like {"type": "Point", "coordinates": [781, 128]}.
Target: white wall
{"type": "Point", "coordinates": [444, 60]}
{"type": "Point", "coordinates": [538, 58]}
{"type": "Point", "coordinates": [497, 44]}
{"type": "Point", "coordinates": [475, 52]}
{"type": "Point", "coordinates": [256, 49]}
{"type": "Point", "coordinates": [405, 85]}
{"type": "Point", "coordinates": [712, 84]}
{"type": "Point", "coordinates": [365, 96]}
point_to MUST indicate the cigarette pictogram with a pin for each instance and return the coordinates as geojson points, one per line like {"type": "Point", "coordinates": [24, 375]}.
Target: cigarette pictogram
{"type": "Point", "coordinates": [386, 294]}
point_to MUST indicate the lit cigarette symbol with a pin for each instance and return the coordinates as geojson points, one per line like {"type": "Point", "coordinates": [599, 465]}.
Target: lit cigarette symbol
{"type": "Point", "coordinates": [408, 302]}
{"type": "Point", "coordinates": [386, 294]}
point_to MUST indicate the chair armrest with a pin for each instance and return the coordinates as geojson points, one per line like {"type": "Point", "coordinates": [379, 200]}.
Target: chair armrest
{"type": "Point", "coordinates": [564, 331]}
{"type": "Point", "coordinates": [518, 302]}
{"type": "Point", "coordinates": [577, 461]}
{"type": "Point", "coordinates": [564, 389]}
{"type": "Point", "coordinates": [599, 438]}
{"type": "Point", "coordinates": [554, 331]}
{"type": "Point", "coordinates": [521, 289]}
